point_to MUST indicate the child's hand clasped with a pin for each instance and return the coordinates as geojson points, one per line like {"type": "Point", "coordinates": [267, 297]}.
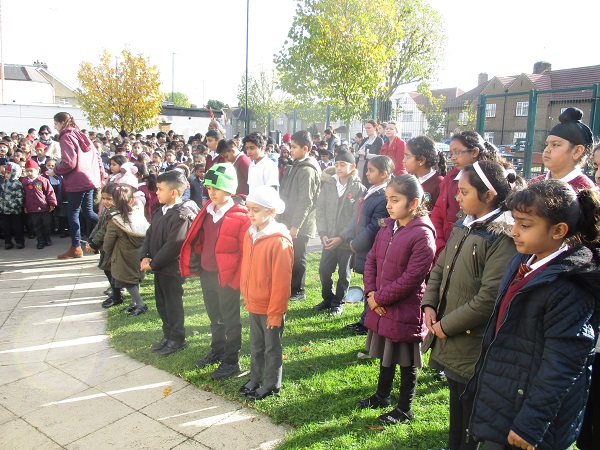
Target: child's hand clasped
{"type": "Point", "coordinates": [88, 248]}
{"type": "Point", "coordinates": [517, 441]}
{"type": "Point", "coordinates": [145, 265]}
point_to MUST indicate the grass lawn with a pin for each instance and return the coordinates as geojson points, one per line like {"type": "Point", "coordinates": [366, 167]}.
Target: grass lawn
{"type": "Point", "coordinates": [322, 377]}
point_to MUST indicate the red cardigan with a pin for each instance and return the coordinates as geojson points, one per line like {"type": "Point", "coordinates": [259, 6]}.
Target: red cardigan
{"type": "Point", "coordinates": [445, 211]}
{"type": "Point", "coordinates": [228, 250]}
{"type": "Point", "coordinates": [395, 150]}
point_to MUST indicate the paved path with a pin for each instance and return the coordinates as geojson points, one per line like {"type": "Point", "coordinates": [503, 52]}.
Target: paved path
{"type": "Point", "coordinates": [62, 385]}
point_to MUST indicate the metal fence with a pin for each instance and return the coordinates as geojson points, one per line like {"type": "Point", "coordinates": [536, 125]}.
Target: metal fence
{"type": "Point", "coordinates": [519, 122]}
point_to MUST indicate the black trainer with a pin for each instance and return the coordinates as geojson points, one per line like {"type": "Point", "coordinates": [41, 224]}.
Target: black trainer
{"type": "Point", "coordinates": [209, 359]}
{"type": "Point", "coordinates": [226, 370]}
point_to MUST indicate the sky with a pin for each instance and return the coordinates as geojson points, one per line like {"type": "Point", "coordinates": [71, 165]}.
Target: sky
{"type": "Point", "coordinates": [203, 42]}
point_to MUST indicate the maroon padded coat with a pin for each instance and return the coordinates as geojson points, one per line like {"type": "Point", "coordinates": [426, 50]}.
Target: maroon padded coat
{"type": "Point", "coordinates": [80, 165]}
{"type": "Point", "coordinates": [228, 250]}
{"type": "Point", "coordinates": [396, 268]}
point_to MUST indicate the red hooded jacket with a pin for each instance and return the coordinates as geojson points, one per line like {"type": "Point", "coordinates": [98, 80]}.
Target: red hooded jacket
{"type": "Point", "coordinates": [80, 164]}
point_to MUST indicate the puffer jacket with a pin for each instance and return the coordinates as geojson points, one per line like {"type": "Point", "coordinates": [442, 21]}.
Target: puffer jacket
{"type": "Point", "coordinates": [396, 269]}
{"type": "Point", "coordinates": [229, 247]}
{"type": "Point", "coordinates": [533, 375]}
{"type": "Point", "coordinates": [463, 287]}
{"type": "Point", "coordinates": [80, 165]}
{"type": "Point", "coordinates": [299, 190]}
{"type": "Point", "coordinates": [12, 195]}
{"type": "Point", "coordinates": [334, 214]}
{"type": "Point", "coordinates": [123, 242]}
{"type": "Point", "coordinates": [365, 226]}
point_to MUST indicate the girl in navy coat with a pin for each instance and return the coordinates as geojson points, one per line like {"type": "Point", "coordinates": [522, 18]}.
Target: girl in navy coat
{"type": "Point", "coordinates": [395, 273]}
{"type": "Point", "coordinates": [363, 229]}
{"type": "Point", "coordinates": [532, 379]}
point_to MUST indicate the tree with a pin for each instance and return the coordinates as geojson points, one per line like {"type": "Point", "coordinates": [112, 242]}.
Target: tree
{"type": "Point", "coordinates": [264, 95]}
{"type": "Point", "coordinates": [338, 52]}
{"type": "Point", "coordinates": [434, 113]}
{"type": "Point", "coordinates": [178, 99]}
{"type": "Point", "coordinates": [123, 94]}
{"type": "Point", "coordinates": [216, 104]}
{"type": "Point", "coordinates": [418, 47]}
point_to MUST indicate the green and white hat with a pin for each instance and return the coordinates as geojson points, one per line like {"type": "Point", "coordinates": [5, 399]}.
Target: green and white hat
{"type": "Point", "coordinates": [222, 177]}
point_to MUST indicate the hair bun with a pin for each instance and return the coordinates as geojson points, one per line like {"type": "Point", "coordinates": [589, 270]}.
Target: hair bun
{"type": "Point", "coordinates": [570, 115]}
{"type": "Point", "coordinates": [511, 177]}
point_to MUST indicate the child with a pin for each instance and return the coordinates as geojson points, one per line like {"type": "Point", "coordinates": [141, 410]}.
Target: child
{"type": "Point", "coordinates": [125, 232]}
{"type": "Point", "coordinates": [60, 212]}
{"type": "Point", "coordinates": [325, 160]}
{"type": "Point", "coordinates": [12, 198]}
{"type": "Point", "coordinates": [170, 160]}
{"type": "Point", "coordinates": [542, 334]}
{"type": "Point", "coordinates": [96, 242]}
{"type": "Point", "coordinates": [147, 187]}
{"type": "Point", "coordinates": [365, 224]}
{"type": "Point", "coordinates": [567, 147]}
{"type": "Point", "coordinates": [157, 159]}
{"type": "Point", "coordinates": [160, 254]}
{"type": "Point", "coordinates": [463, 285]}
{"type": "Point", "coordinates": [116, 162]}
{"type": "Point", "coordinates": [338, 201]}
{"type": "Point", "coordinates": [266, 276]}
{"type": "Point", "coordinates": [197, 183]}
{"type": "Point", "coordinates": [405, 245]}
{"type": "Point", "coordinates": [421, 159]}
{"type": "Point", "coordinates": [394, 147]}
{"type": "Point", "coordinates": [299, 191]}
{"type": "Point", "coordinates": [40, 201]}
{"type": "Point", "coordinates": [213, 250]}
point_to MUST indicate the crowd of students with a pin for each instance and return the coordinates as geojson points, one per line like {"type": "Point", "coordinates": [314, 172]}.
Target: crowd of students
{"type": "Point", "coordinates": [496, 277]}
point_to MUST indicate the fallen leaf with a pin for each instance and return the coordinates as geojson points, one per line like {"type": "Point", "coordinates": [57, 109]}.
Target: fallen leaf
{"type": "Point", "coordinates": [371, 427]}
{"type": "Point", "coordinates": [304, 349]}
{"type": "Point", "coordinates": [167, 391]}
{"type": "Point", "coordinates": [284, 357]}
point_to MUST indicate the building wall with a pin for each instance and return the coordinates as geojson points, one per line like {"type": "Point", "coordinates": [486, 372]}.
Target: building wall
{"type": "Point", "coordinates": [27, 92]}
{"type": "Point", "coordinates": [19, 118]}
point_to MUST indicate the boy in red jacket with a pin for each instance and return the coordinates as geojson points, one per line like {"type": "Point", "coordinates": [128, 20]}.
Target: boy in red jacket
{"type": "Point", "coordinates": [40, 201]}
{"type": "Point", "coordinates": [213, 250]}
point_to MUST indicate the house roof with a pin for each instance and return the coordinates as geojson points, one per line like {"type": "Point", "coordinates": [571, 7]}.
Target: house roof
{"type": "Point", "coordinates": [16, 72]}
{"type": "Point", "coordinates": [37, 74]}
{"type": "Point", "coordinates": [449, 93]}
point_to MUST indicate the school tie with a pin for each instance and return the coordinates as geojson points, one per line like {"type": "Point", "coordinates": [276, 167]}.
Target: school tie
{"type": "Point", "coordinates": [523, 269]}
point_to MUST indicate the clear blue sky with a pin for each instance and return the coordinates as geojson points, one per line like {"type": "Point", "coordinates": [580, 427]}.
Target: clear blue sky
{"type": "Point", "coordinates": [208, 37]}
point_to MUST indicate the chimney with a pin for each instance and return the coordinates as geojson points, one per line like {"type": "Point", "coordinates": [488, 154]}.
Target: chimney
{"type": "Point", "coordinates": [541, 66]}
{"type": "Point", "coordinates": [482, 78]}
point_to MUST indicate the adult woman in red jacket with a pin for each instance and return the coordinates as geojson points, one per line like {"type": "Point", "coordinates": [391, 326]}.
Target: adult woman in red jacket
{"type": "Point", "coordinates": [394, 148]}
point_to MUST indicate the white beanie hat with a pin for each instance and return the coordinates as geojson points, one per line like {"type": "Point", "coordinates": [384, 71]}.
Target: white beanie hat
{"type": "Point", "coordinates": [268, 197]}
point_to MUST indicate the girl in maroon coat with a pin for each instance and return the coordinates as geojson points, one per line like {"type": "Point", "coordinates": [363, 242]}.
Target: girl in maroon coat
{"type": "Point", "coordinates": [394, 277]}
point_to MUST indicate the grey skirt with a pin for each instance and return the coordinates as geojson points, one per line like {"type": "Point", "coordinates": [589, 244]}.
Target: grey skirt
{"type": "Point", "coordinates": [404, 354]}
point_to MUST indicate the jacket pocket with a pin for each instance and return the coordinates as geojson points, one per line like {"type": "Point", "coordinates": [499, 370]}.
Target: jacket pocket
{"type": "Point", "coordinates": [475, 263]}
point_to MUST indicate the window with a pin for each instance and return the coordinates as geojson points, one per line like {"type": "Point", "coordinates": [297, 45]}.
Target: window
{"type": "Point", "coordinates": [490, 110]}
{"type": "Point", "coordinates": [64, 101]}
{"type": "Point", "coordinates": [253, 124]}
{"type": "Point", "coordinates": [522, 109]}
{"type": "Point", "coordinates": [519, 135]}
{"type": "Point", "coordinates": [406, 136]}
{"type": "Point", "coordinates": [407, 116]}
{"type": "Point", "coordinates": [280, 121]}
{"type": "Point", "coordinates": [463, 118]}
{"type": "Point", "coordinates": [489, 136]}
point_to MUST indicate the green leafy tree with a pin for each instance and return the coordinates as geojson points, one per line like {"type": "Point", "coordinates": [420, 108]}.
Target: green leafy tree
{"type": "Point", "coordinates": [264, 95]}
{"type": "Point", "coordinates": [338, 53]}
{"type": "Point", "coordinates": [418, 45]}
{"type": "Point", "coordinates": [178, 99]}
{"type": "Point", "coordinates": [434, 113]}
{"type": "Point", "coordinates": [216, 104]}
{"type": "Point", "coordinates": [122, 93]}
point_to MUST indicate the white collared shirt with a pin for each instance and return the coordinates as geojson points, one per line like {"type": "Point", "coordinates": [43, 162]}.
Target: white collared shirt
{"type": "Point", "coordinates": [219, 213]}
{"type": "Point", "coordinates": [458, 175]}
{"type": "Point", "coordinates": [271, 228]}
{"type": "Point", "coordinates": [568, 177]}
{"type": "Point", "coordinates": [535, 265]}
{"type": "Point", "coordinates": [165, 208]}
{"type": "Point", "coordinates": [341, 188]}
{"type": "Point", "coordinates": [470, 221]}
{"type": "Point", "coordinates": [426, 177]}
{"type": "Point", "coordinates": [374, 189]}
{"type": "Point", "coordinates": [262, 173]}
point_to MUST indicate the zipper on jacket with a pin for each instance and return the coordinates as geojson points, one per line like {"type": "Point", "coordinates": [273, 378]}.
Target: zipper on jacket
{"type": "Point", "coordinates": [475, 263]}
{"type": "Point", "coordinates": [249, 265]}
{"type": "Point", "coordinates": [385, 256]}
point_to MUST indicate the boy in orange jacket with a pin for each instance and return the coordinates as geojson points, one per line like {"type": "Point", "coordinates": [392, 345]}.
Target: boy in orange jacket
{"type": "Point", "coordinates": [265, 282]}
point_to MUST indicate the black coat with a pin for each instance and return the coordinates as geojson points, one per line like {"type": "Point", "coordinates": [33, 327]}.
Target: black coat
{"type": "Point", "coordinates": [533, 376]}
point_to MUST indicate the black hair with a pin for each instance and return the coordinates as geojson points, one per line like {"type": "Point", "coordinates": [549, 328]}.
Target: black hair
{"type": "Point", "coordinates": [108, 187]}
{"type": "Point", "coordinates": [473, 140]}
{"type": "Point", "coordinates": [142, 170]}
{"type": "Point", "coordinates": [174, 179]}
{"type": "Point", "coordinates": [119, 159]}
{"type": "Point", "coordinates": [215, 134]}
{"type": "Point", "coordinates": [122, 195]}
{"type": "Point", "coordinates": [45, 128]}
{"type": "Point", "coordinates": [302, 138]}
{"type": "Point", "coordinates": [383, 164]}
{"type": "Point", "coordinates": [221, 146]}
{"type": "Point", "coordinates": [555, 201]}
{"type": "Point", "coordinates": [495, 174]}
{"type": "Point", "coordinates": [161, 134]}
{"type": "Point", "coordinates": [199, 166]}
{"type": "Point", "coordinates": [423, 147]}
{"type": "Point", "coordinates": [409, 187]}
{"type": "Point", "coordinates": [255, 138]}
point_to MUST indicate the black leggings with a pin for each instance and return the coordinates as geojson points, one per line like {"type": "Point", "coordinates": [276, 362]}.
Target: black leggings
{"type": "Point", "coordinates": [460, 415]}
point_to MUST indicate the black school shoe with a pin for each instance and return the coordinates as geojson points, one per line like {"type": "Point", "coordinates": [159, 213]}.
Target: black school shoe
{"type": "Point", "coordinates": [41, 245]}
{"type": "Point", "coordinates": [160, 344]}
{"type": "Point", "coordinates": [257, 395]}
{"type": "Point", "coordinates": [48, 242]}
{"type": "Point", "coordinates": [209, 359]}
{"type": "Point", "coordinates": [321, 306]}
{"type": "Point", "coordinates": [374, 401]}
{"type": "Point", "coordinates": [127, 309]}
{"type": "Point", "coordinates": [245, 389]}
{"type": "Point", "coordinates": [396, 416]}
{"type": "Point", "coordinates": [138, 311]}
{"type": "Point", "coordinates": [360, 330]}
{"type": "Point", "coordinates": [8, 245]}
{"type": "Point", "coordinates": [226, 370]}
{"type": "Point", "coordinates": [171, 347]}
{"type": "Point", "coordinates": [110, 301]}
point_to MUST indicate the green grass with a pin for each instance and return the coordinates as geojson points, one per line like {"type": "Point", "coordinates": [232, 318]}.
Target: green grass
{"type": "Point", "coordinates": [322, 377]}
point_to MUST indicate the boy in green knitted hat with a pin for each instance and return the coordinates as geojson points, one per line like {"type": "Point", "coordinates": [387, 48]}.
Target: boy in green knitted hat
{"type": "Point", "coordinates": [213, 250]}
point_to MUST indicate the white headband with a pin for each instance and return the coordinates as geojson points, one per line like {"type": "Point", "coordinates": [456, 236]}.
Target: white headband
{"type": "Point", "coordinates": [484, 178]}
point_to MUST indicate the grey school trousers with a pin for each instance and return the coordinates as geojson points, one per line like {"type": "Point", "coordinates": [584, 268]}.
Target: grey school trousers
{"type": "Point", "coordinates": [265, 352]}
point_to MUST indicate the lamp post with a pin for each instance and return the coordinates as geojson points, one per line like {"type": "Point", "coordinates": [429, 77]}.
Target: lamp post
{"type": "Point", "coordinates": [246, 116]}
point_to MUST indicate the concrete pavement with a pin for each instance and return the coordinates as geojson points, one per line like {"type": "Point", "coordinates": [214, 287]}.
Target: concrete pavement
{"type": "Point", "coordinates": [62, 385]}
